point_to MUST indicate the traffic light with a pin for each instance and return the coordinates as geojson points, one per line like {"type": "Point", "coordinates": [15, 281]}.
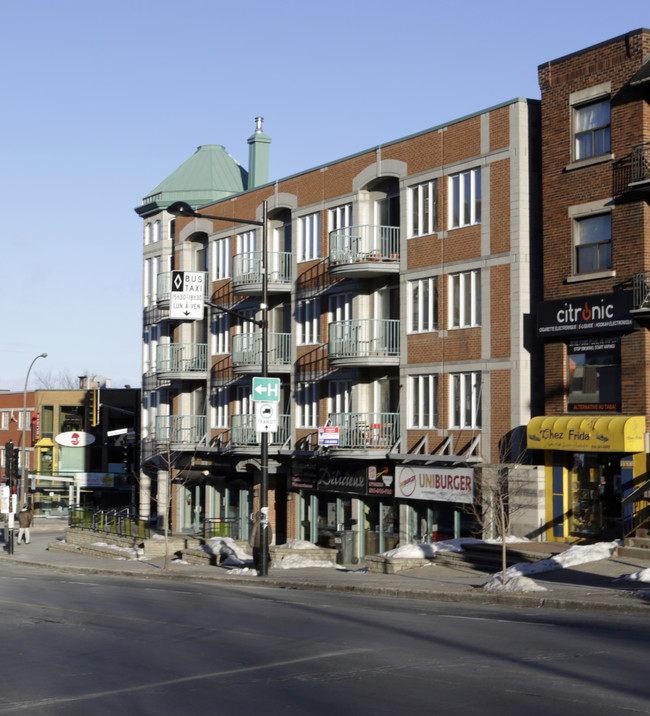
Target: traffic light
{"type": "Point", "coordinates": [14, 464]}
{"type": "Point", "coordinates": [9, 460]}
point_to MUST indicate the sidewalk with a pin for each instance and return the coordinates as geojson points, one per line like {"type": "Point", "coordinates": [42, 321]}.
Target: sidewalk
{"type": "Point", "coordinates": [592, 586]}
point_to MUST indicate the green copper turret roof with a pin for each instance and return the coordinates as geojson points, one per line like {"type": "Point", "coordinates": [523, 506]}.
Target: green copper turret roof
{"type": "Point", "coordinates": [208, 175]}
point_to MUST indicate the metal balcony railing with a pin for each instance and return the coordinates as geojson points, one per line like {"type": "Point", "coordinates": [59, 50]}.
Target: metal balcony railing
{"type": "Point", "coordinates": [364, 338]}
{"type": "Point", "coordinates": [640, 158]}
{"type": "Point", "coordinates": [366, 430]}
{"type": "Point", "coordinates": [182, 358]}
{"type": "Point", "coordinates": [247, 349]}
{"type": "Point", "coordinates": [357, 244]}
{"type": "Point", "coordinates": [164, 286]}
{"type": "Point", "coordinates": [180, 429]}
{"type": "Point", "coordinates": [242, 430]}
{"type": "Point", "coordinates": [641, 291]}
{"type": "Point", "coordinates": [247, 267]}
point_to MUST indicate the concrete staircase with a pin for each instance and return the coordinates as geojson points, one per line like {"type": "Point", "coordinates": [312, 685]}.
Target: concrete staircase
{"type": "Point", "coordinates": [637, 547]}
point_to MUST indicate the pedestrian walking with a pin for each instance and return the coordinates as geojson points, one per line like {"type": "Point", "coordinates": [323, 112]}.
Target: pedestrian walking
{"type": "Point", "coordinates": [255, 539]}
{"type": "Point", "coordinates": [24, 523]}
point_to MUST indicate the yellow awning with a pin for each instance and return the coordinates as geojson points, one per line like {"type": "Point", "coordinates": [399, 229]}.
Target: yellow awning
{"type": "Point", "coordinates": [593, 433]}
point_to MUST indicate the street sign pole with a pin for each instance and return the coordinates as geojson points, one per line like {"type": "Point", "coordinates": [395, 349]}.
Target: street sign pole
{"type": "Point", "coordinates": [264, 487]}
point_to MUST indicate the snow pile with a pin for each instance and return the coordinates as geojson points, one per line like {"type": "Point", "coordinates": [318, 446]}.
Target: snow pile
{"type": "Point", "coordinates": [428, 549]}
{"type": "Point", "coordinates": [296, 561]}
{"type": "Point", "coordinates": [642, 576]}
{"type": "Point", "coordinates": [515, 583]}
{"type": "Point", "coordinates": [297, 544]}
{"type": "Point", "coordinates": [574, 556]}
{"type": "Point", "coordinates": [228, 550]}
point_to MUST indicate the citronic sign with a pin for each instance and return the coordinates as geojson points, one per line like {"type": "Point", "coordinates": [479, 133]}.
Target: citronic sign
{"type": "Point", "coordinates": [187, 294]}
{"type": "Point", "coordinates": [266, 417]}
{"type": "Point", "coordinates": [266, 389]}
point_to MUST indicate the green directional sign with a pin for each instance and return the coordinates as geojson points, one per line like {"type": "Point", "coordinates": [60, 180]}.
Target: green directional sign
{"type": "Point", "coordinates": [266, 389]}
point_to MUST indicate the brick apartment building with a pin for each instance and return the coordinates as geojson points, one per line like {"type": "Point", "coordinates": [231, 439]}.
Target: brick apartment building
{"type": "Point", "coordinates": [401, 282]}
{"type": "Point", "coordinates": [594, 317]}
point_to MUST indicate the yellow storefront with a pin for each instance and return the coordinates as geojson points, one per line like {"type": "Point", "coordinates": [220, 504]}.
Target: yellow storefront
{"type": "Point", "coordinates": [593, 463]}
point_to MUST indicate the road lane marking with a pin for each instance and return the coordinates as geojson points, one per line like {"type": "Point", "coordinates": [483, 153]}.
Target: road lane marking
{"type": "Point", "coordinates": [32, 705]}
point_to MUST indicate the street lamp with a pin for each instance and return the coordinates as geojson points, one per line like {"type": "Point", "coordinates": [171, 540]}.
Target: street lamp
{"type": "Point", "coordinates": [24, 473]}
{"type": "Point", "coordinates": [183, 209]}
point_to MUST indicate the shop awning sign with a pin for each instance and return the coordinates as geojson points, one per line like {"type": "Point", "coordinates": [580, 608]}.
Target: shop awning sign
{"type": "Point", "coordinates": [433, 483]}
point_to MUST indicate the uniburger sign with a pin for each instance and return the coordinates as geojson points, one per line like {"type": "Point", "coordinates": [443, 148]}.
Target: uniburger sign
{"type": "Point", "coordinates": [586, 314]}
{"type": "Point", "coordinates": [432, 483]}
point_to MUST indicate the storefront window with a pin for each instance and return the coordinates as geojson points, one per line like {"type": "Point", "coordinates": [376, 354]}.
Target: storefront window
{"type": "Point", "coordinates": [595, 495]}
{"type": "Point", "coordinates": [71, 418]}
{"type": "Point", "coordinates": [594, 375]}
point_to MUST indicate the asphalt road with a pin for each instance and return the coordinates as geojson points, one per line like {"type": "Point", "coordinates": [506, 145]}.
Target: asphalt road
{"type": "Point", "coordinates": [76, 644]}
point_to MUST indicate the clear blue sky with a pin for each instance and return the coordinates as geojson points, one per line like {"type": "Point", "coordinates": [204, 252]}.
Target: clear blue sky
{"type": "Point", "coordinates": [104, 99]}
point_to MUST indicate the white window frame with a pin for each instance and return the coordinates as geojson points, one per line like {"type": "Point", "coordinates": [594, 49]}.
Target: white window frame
{"type": "Point", "coordinates": [307, 405]}
{"type": "Point", "coordinates": [423, 401]}
{"type": "Point", "coordinates": [220, 405]}
{"type": "Point", "coordinates": [465, 400]}
{"type": "Point", "coordinates": [339, 396]}
{"type": "Point", "coordinates": [422, 302]}
{"type": "Point", "coordinates": [220, 333]}
{"type": "Point", "coordinates": [222, 259]}
{"type": "Point", "coordinates": [308, 322]}
{"type": "Point", "coordinates": [465, 299]}
{"type": "Point", "coordinates": [423, 209]}
{"type": "Point", "coordinates": [592, 132]}
{"type": "Point", "coordinates": [4, 420]}
{"type": "Point", "coordinates": [309, 243]}
{"type": "Point", "coordinates": [465, 193]}
{"type": "Point", "coordinates": [340, 217]}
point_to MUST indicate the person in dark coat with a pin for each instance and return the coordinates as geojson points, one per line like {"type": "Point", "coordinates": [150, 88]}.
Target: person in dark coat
{"type": "Point", "coordinates": [24, 523]}
{"type": "Point", "coordinates": [255, 540]}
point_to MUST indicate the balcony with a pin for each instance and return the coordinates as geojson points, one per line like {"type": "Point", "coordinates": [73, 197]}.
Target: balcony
{"type": "Point", "coordinates": [364, 341]}
{"type": "Point", "coordinates": [185, 430]}
{"type": "Point", "coordinates": [182, 360]}
{"type": "Point", "coordinates": [243, 433]}
{"type": "Point", "coordinates": [640, 169]}
{"type": "Point", "coordinates": [247, 352]}
{"type": "Point", "coordinates": [363, 251]}
{"type": "Point", "coordinates": [247, 273]}
{"type": "Point", "coordinates": [641, 292]}
{"type": "Point", "coordinates": [366, 431]}
{"type": "Point", "coordinates": [164, 287]}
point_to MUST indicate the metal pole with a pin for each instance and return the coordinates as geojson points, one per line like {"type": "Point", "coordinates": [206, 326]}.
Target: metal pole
{"type": "Point", "coordinates": [24, 468]}
{"type": "Point", "coordinates": [264, 487]}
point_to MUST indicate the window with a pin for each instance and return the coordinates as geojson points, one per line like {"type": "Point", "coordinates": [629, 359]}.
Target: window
{"type": "Point", "coordinates": [593, 242]}
{"type": "Point", "coordinates": [246, 242]}
{"type": "Point", "coordinates": [465, 199]}
{"type": "Point", "coordinates": [309, 237]}
{"type": "Point", "coordinates": [147, 234]}
{"type": "Point", "coordinates": [424, 208]}
{"type": "Point", "coordinates": [4, 420]}
{"type": "Point", "coordinates": [220, 333]}
{"type": "Point", "coordinates": [591, 129]}
{"type": "Point", "coordinates": [221, 259]}
{"type": "Point", "coordinates": [423, 401]}
{"type": "Point", "coordinates": [307, 405]}
{"type": "Point", "coordinates": [465, 396]}
{"type": "Point", "coordinates": [339, 396]}
{"type": "Point", "coordinates": [308, 322]}
{"type": "Point", "coordinates": [220, 407]}
{"type": "Point", "coordinates": [423, 305]}
{"type": "Point", "coordinates": [594, 374]}
{"type": "Point", "coordinates": [465, 299]}
{"type": "Point", "coordinates": [340, 217]}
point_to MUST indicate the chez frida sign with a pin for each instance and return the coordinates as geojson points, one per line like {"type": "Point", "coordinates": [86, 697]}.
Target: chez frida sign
{"type": "Point", "coordinates": [585, 314]}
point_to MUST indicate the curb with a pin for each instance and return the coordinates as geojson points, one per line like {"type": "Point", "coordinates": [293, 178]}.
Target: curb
{"type": "Point", "coordinates": [475, 596]}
